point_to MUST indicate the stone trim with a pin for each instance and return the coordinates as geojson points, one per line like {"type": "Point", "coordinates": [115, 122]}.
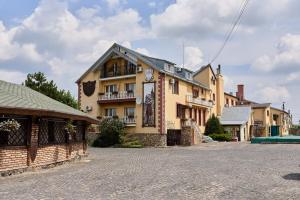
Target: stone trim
{"type": "Point", "coordinates": [150, 139]}
{"type": "Point", "coordinates": [161, 103]}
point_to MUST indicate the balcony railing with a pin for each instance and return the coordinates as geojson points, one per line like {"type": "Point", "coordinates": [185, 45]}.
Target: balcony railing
{"type": "Point", "coordinates": [191, 100]}
{"type": "Point", "coordinates": [127, 120]}
{"type": "Point", "coordinates": [118, 73]}
{"type": "Point", "coordinates": [117, 96]}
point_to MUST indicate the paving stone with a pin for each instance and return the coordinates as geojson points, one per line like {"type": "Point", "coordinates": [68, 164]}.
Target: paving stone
{"type": "Point", "coordinates": [208, 171]}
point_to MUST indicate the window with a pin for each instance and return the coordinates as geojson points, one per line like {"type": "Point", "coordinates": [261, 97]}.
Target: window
{"type": "Point", "coordinates": [175, 87]}
{"type": "Point", "coordinates": [52, 131]}
{"type": "Point", "coordinates": [191, 113]}
{"type": "Point", "coordinates": [15, 138]}
{"type": "Point", "coordinates": [227, 101]}
{"type": "Point", "coordinates": [195, 114]}
{"type": "Point", "coordinates": [200, 117]}
{"type": "Point", "coordinates": [214, 97]}
{"type": "Point", "coordinates": [195, 93]}
{"type": "Point", "coordinates": [110, 112]}
{"type": "Point", "coordinates": [130, 68]}
{"type": "Point", "coordinates": [110, 88]}
{"type": "Point", "coordinates": [130, 87]}
{"type": "Point", "coordinates": [232, 102]}
{"type": "Point", "coordinates": [268, 113]}
{"type": "Point", "coordinates": [179, 111]}
{"type": "Point", "coordinates": [130, 112]}
{"type": "Point", "coordinates": [202, 91]}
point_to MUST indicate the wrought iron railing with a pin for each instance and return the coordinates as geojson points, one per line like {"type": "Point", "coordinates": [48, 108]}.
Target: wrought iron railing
{"type": "Point", "coordinates": [199, 101]}
{"type": "Point", "coordinates": [116, 95]}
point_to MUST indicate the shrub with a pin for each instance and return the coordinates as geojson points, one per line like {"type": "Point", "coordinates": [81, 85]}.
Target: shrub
{"type": "Point", "coordinates": [221, 137]}
{"type": "Point", "coordinates": [213, 126]}
{"type": "Point", "coordinates": [132, 144]}
{"type": "Point", "coordinates": [111, 133]}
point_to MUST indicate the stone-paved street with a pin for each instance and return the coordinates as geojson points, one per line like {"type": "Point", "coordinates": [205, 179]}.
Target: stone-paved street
{"type": "Point", "coordinates": [208, 171]}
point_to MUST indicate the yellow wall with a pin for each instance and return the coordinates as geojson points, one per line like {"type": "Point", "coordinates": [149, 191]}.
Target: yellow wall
{"type": "Point", "coordinates": [92, 100]}
{"type": "Point", "coordinates": [230, 99]}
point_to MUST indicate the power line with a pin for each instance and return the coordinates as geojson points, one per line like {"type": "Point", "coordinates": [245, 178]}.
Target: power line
{"type": "Point", "coordinates": [230, 32]}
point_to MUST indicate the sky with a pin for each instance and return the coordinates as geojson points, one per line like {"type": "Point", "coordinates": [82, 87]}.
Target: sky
{"type": "Point", "coordinates": [63, 38]}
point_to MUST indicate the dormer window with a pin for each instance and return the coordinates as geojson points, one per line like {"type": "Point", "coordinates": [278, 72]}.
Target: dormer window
{"type": "Point", "coordinates": [188, 75]}
{"type": "Point", "coordinates": [169, 67]}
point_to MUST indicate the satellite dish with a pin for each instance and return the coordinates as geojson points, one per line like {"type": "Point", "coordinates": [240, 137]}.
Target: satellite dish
{"type": "Point", "coordinates": [138, 100]}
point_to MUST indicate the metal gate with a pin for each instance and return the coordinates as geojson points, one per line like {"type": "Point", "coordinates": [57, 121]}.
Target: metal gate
{"type": "Point", "coordinates": [173, 137]}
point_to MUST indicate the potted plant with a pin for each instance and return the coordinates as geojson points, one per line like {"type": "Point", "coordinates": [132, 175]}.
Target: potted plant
{"type": "Point", "coordinates": [7, 127]}
{"type": "Point", "coordinates": [70, 130]}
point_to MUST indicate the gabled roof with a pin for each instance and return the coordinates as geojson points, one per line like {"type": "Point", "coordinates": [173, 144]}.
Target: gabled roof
{"type": "Point", "coordinates": [261, 105]}
{"type": "Point", "coordinates": [238, 115]}
{"type": "Point", "coordinates": [155, 63]}
{"type": "Point", "coordinates": [203, 68]}
{"type": "Point", "coordinates": [17, 99]}
{"type": "Point", "coordinates": [226, 93]}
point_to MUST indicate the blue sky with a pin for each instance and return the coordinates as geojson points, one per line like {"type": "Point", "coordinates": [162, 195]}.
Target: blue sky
{"type": "Point", "coordinates": [63, 38]}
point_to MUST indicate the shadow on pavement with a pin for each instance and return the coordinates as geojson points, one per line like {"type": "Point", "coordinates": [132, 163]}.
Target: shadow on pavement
{"type": "Point", "coordinates": [292, 176]}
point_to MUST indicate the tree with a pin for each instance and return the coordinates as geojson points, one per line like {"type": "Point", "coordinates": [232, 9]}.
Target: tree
{"type": "Point", "coordinates": [213, 126]}
{"type": "Point", "coordinates": [39, 83]}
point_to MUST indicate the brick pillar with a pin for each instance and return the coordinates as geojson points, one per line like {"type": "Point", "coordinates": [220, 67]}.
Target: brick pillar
{"type": "Point", "coordinates": [161, 103]}
{"type": "Point", "coordinates": [33, 143]}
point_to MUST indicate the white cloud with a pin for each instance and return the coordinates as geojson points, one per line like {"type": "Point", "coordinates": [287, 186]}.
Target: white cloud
{"type": "Point", "coordinates": [287, 57]}
{"type": "Point", "coordinates": [115, 4]}
{"type": "Point", "coordinates": [193, 57]}
{"type": "Point", "coordinates": [143, 51]}
{"type": "Point", "coordinates": [199, 18]}
{"type": "Point", "coordinates": [87, 13]}
{"type": "Point", "coordinates": [12, 76]}
{"type": "Point", "coordinates": [54, 40]}
{"type": "Point", "coordinates": [273, 94]}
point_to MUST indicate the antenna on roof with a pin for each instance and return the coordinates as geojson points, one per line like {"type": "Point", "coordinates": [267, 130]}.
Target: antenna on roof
{"type": "Point", "coordinates": [183, 54]}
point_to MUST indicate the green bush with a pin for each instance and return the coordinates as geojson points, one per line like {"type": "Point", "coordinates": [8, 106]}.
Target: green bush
{"type": "Point", "coordinates": [213, 126]}
{"type": "Point", "coordinates": [111, 133]}
{"type": "Point", "coordinates": [221, 137]}
{"type": "Point", "coordinates": [132, 144]}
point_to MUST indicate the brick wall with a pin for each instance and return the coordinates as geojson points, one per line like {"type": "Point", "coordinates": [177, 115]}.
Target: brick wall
{"type": "Point", "coordinates": [13, 158]}
{"type": "Point", "coordinates": [21, 157]}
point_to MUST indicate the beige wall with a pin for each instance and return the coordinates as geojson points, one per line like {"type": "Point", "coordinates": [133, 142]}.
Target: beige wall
{"type": "Point", "coordinates": [92, 100]}
{"type": "Point", "coordinates": [232, 101]}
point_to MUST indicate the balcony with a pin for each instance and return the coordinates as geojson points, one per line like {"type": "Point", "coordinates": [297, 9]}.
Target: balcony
{"type": "Point", "coordinates": [129, 121]}
{"type": "Point", "coordinates": [198, 101]}
{"type": "Point", "coordinates": [120, 73]}
{"type": "Point", "coordinates": [117, 97]}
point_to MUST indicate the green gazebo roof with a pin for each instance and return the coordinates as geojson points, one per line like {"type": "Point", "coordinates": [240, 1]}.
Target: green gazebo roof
{"type": "Point", "coordinates": [18, 99]}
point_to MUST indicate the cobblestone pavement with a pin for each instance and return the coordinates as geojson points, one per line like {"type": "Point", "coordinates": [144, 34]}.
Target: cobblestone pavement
{"type": "Point", "coordinates": [209, 171]}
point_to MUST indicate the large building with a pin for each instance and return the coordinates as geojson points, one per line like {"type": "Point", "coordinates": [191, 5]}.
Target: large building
{"type": "Point", "coordinates": [159, 102]}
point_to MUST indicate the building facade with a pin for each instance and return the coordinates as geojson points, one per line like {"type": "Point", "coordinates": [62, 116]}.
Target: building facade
{"type": "Point", "coordinates": [159, 102]}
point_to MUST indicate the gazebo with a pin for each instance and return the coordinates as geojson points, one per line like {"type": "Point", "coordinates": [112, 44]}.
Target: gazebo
{"type": "Point", "coordinates": [37, 131]}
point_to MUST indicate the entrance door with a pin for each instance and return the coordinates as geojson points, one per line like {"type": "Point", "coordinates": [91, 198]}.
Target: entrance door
{"type": "Point", "coordinates": [173, 137]}
{"type": "Point", "coordinates": [274, 130]}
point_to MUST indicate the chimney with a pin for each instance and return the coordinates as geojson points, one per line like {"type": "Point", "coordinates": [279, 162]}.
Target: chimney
{"type": "Point", "coordinates": [240, 92]}
{"type": "Point", "coordinates": [219, 69]}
